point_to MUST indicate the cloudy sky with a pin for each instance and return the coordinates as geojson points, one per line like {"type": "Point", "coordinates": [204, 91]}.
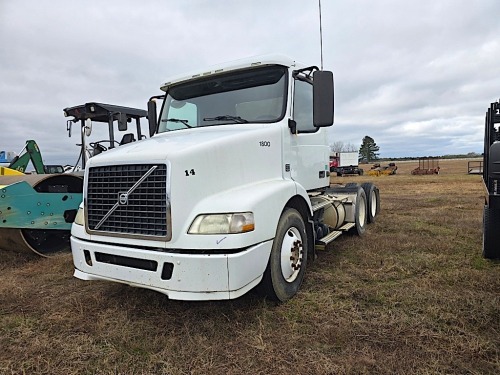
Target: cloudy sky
{"type": "Point", "coordinates": [417, 76]}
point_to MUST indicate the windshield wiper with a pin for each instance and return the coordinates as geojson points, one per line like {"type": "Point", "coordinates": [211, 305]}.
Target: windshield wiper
{"type": "Point", "coordinates": [237, 119]}
{"type": "Point", "coordinates": [185, 122]}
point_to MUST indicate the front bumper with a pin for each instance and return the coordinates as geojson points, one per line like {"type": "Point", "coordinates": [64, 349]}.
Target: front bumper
{"type": "Point", "coordinates": [179, 276]}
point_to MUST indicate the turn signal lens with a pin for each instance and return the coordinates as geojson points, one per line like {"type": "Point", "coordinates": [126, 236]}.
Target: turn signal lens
{"type": "Point", "coordinates": [80, 217]}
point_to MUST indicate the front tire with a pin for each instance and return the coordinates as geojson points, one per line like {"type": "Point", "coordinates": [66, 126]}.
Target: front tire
{"type": "Point", "coordinates": [287, 263]}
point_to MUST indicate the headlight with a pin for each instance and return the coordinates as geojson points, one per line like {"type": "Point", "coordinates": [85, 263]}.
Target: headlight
{"type": "Point", "coordinates": [223, 223]}
{"type": "Point", "coordinates": [80, 217]}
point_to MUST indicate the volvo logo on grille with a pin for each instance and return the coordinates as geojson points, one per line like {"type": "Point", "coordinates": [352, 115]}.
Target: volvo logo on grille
{"type": "Point", "coordinates": [123, 198]}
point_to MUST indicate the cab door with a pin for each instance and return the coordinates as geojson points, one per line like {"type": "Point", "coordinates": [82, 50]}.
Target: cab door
{"type": "Point", "coordinates": [309, 150]}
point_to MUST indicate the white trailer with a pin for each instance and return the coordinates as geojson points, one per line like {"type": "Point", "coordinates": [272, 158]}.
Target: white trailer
{"type": "Point", "coordinates": [347, 159]}
{"type": "Point", "coordinates": [231, 192]}
{"type": "Point", "coordinates": [345, 163]}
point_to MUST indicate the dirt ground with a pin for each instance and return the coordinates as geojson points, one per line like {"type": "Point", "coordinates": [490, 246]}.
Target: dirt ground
{"type": "Point", "coordinates": [412, 296]}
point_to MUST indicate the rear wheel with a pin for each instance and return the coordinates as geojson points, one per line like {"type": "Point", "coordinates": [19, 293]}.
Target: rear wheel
{"type": "Point", "coordinates": [361, 212]}
{"type": "Point", "coordinates": [373, 200]}
{"type": "Point", "coordinates": [287, 262]}
{"type": "Point", "coordinates": [491, 233]}
{"type": "Point", "coordinates": [361, 206]}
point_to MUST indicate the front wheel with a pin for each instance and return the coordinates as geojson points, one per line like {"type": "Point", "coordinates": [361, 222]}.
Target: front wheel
{"type": "Point", "coordinates": [287, 262]}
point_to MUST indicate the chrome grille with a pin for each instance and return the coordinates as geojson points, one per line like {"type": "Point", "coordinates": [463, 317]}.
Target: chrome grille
{"type": "Point", "coordinates": [118, 201]}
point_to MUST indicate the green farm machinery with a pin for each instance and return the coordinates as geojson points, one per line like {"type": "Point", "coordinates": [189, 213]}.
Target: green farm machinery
{"type": "Point", "coordinates": [37, 210]}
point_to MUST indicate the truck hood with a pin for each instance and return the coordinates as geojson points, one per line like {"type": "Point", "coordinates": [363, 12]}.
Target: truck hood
{"type": "Point", "coordinates": [169, 145]}
{"type": "Point", "coordinates": [205, 163]}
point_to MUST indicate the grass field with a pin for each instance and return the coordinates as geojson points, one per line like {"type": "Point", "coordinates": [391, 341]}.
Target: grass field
{"type": "Point", "coordinates": [413, 296]}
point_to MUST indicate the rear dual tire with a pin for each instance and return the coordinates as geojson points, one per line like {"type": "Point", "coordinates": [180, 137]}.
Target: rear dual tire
{"type": "Point", "coordinates": [367, 203]}
{"type": "Point", "coordinates": [361, 211]}
{"type": "Point", "coordinates": [373, 198]}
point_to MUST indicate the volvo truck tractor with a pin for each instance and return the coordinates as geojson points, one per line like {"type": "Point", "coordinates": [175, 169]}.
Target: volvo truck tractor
{"type": "Point", "coordinates": [231, 192]}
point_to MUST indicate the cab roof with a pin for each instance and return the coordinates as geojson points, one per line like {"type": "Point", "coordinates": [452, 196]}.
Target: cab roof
{"type": "Point", "coordinates": [250, 62]}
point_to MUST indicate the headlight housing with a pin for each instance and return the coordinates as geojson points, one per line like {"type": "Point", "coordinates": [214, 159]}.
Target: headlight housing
{"type": "Point", "coordinates": [240, 222]}
{"type": "Point", "coordinates": [80, 217]}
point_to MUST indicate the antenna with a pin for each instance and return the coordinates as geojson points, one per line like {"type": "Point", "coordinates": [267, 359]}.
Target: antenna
{"type": "Point", "coordinates": [320, 35]}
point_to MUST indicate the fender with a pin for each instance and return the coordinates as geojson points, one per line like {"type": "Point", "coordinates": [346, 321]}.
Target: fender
{"type": "Point", "coordinates": [266, 199]}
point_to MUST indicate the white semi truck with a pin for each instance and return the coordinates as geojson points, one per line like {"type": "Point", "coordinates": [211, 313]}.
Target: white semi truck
{"type": "Point", "coordinates": [345, 163]}
{"type": "Point", "coordinates": [231, 192]}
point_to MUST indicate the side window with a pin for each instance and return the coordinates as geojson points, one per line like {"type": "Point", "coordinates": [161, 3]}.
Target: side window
{"type": "Point", "coordinates": [303, 106]}
{"type": "Point", "coordinates": [183, 111]}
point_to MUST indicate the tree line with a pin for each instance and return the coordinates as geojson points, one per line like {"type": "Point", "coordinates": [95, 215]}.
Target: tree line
{"type": "Point", "coordinates": [369, 151]}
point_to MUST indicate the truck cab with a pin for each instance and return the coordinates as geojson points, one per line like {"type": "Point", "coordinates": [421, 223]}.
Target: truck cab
{"type": "Point", "coordinates": [219, 200]}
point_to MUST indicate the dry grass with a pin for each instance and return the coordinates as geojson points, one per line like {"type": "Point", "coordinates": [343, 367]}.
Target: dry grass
{"type": "Point", "coordinates": [413, 296]}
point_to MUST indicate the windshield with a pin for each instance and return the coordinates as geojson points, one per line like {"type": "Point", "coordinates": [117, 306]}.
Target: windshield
{"type": "Point", "coordinates": [255, 95]}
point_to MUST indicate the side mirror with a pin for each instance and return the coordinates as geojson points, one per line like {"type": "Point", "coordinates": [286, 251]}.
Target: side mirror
{"type": "Point", "coordinates": [88, 127]}
{"type": "Point", "coordinates": [322, 98]}
{"type": "Point", "coordinates": [68, 127]}
{"type": "Point", "coordinates": [122, 121]}
{"type": "Point", "coordinates": [152, 116]}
